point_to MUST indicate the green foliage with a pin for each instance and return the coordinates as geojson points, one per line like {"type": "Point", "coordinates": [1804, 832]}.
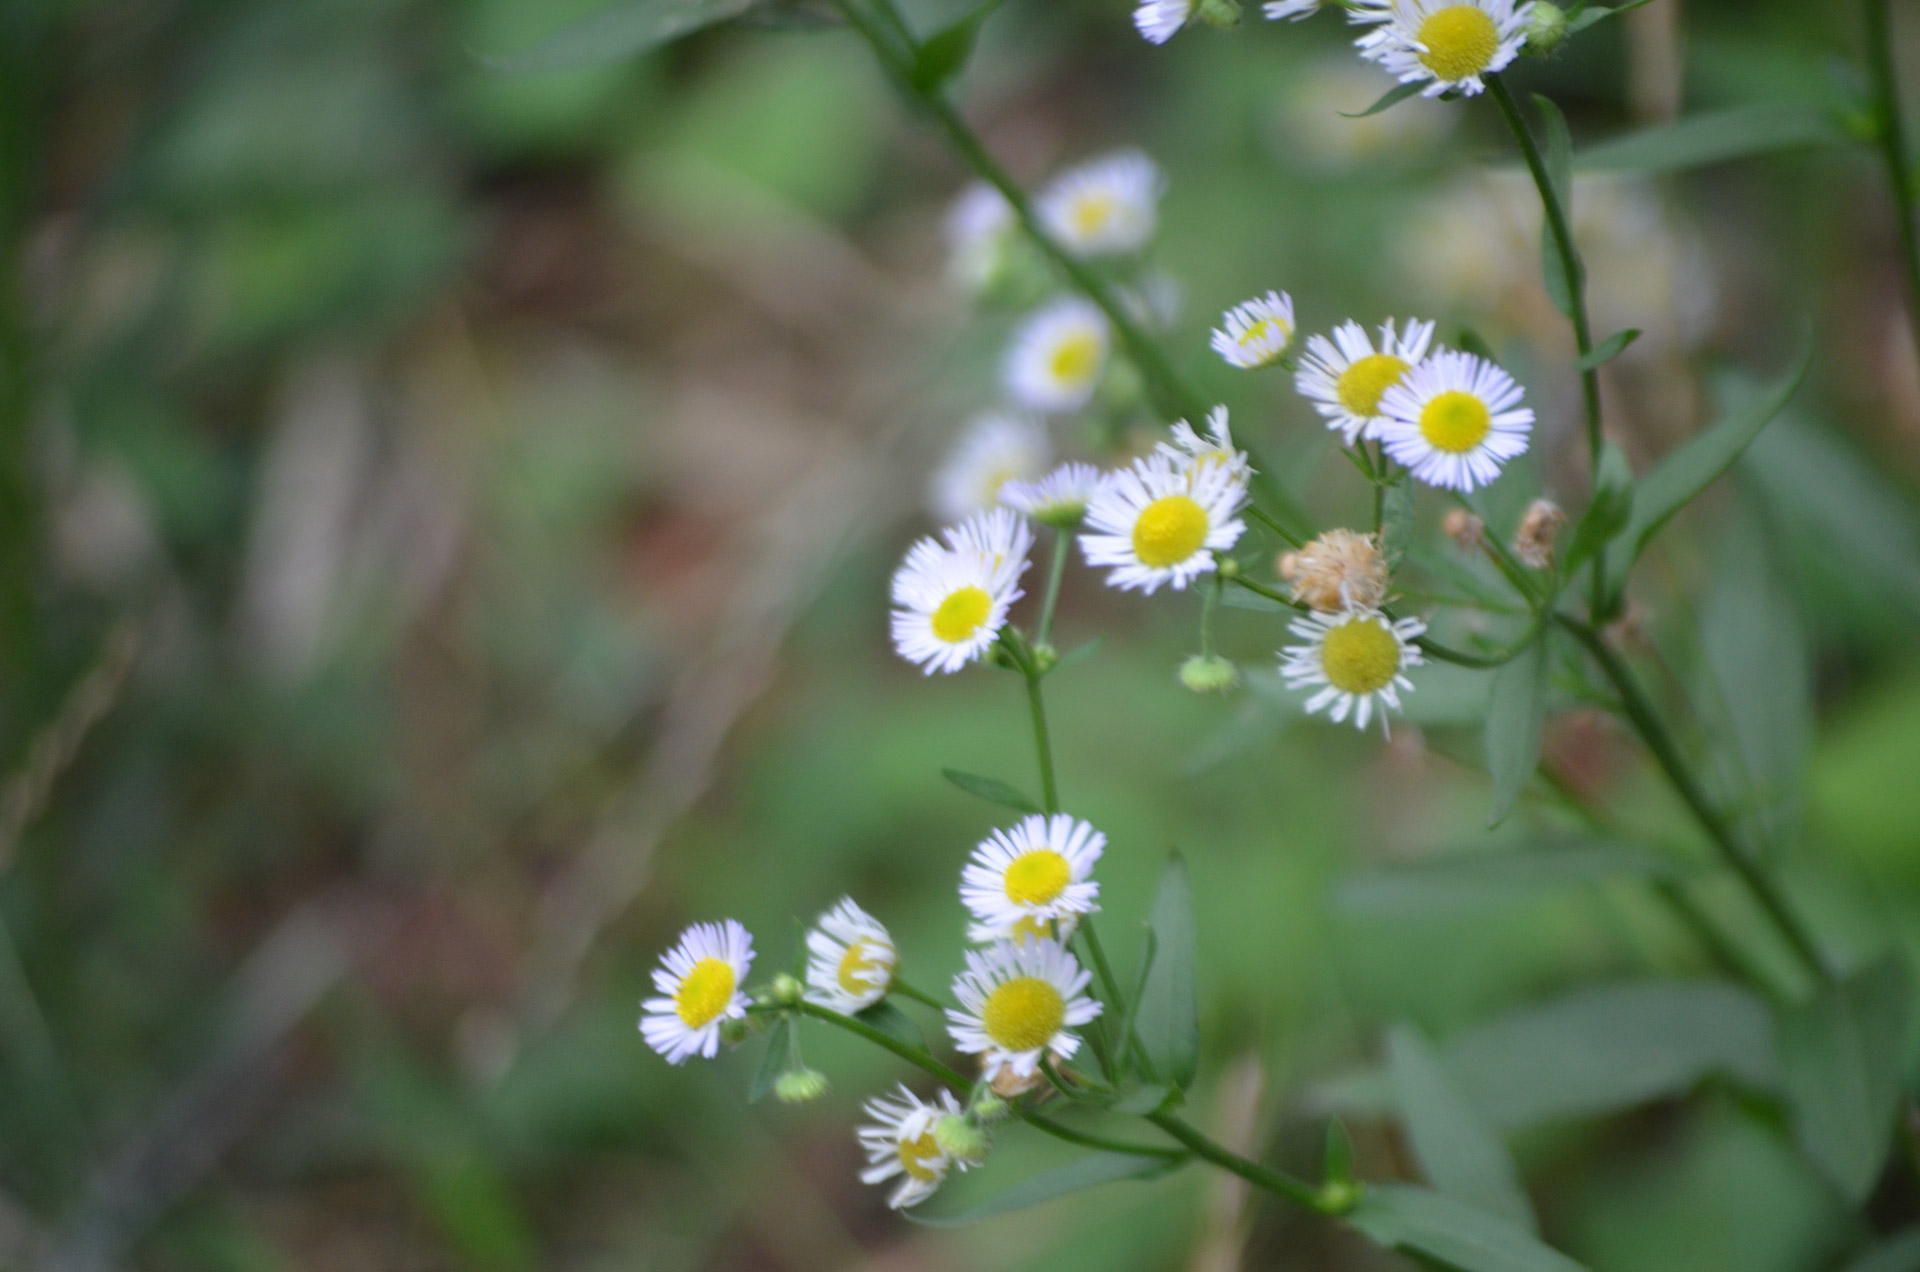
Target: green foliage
{"type": "Point", "coordinates": [1607, 350]}
{"type": "Point", "coordinates": [1168, 1016]}
{"type": "Point", "coordinates": [944, 53]}
{"type": "Point", "coordinates": [1458, 1152]}
{"type": "Point", "coordinates": [782, 1054]}
{"type": "Point", "coordinates": [1842, 1055]}
{"type": "Point", "coordinates": [1516, 716]}
{"type": "Point", "coordinates": [622, 30]}
{"type": "Point", "coordinates": [1085, 1172]}
{"type": "Point", "coordinates": [1609, 511]}
{"type": "Point", "coordinates": [1458, 881]}
{"type": "Point", "coordinates": [991, 789]}
{"type": "Point", "coordinates": [1451, 1233]}
{"type": "Point", "coordinates": [1715, 137]}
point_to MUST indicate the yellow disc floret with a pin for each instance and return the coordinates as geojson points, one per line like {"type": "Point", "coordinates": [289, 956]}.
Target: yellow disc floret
{"type": "Point", "coordinates": [857, 965]}
{"type": "Point", "coordinates": [1269, 334]}
{"type": "Point", "coordinates": [1024, 1014]}
{"type": "Point", "coordinates": [1360, 656]}
{"type": "Point", "coordinates": [1169, 531]}
{"type": "Point", "coordinates": [1455, 421]}
{"type": "Point", "coordinates": [1037, 877]}
{"type": "Point", "coordinates": [705, 992]}
{"type": "Point", "coordinates": [961, 614]}
{"type": "Point", "coordinates": [1091, 213]}
{"type": "Point", "coordinates": [916, 1153]}
{"type": "Point", "coordinates": [1361, 386]}
{"type": "Point", "coordinates": [1461, 42]}
{"type": "Point", "coordinates": [1076, 358]}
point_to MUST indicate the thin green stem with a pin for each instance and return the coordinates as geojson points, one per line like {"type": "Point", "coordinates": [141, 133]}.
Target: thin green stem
{"type": "Point", "coordinates": [1043, 745]}
{"type": "Point", "coordinates": [1209, 601]}
{"type": "Point", "coordinates": [1646, 722]}
{"type": "Point", "coordinates": [1253, 1172]}
{"type": "Point", "coordinates": [1085, 1140]}
{"type": "Point", "coordinates": [1062, 543]}
{"type": "Point", "coordinates": [900, 987]}
{"type": "Point", "coordinates": [1890, 133]}
{"type": "Point", "coordinates": [1261, 589]}
{"type": "Point", "coordinates": [1258, 514]}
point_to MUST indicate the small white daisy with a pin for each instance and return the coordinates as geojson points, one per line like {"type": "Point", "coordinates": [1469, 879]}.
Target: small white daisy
{"type": "Point", "coordinates": [1346, 377]}
{"type": "Point", "coordinates": [1453, 420]}
{"type": "Point", "coordinates": [1057, 355]}
{"type": "Point", "coordinates": [1039, 870]}
{"type": "Point", "coordinates": [1161, 521]}
{"type": "Point", "coordinates": [1256, 333]}
{"type": "Point", "coordinates": [1358, 656]}
{"type": "Point", "coordinates": [1194, 452]}
{"type": "Point", "coordinates": [1019, 1002]}
{"type": "Point", "coordinates": [900, 1142]}
{"type": "Point", "coordinates": [993, 449]}
{"type": "Point", "coordinates": [1157, 20]}
{"type": "Point", "coordinates": [1059, 499]}
{"type": "Point", "coordinates": [1444, 44]}
{"type": "Point", "coordinates": [1293, 9]}
{"type": "Point", "coordinates": [978, 227]}
{"type": "Point", "coordinates": [699, 982]}
{"type": "Point", "coordinates": [850, 959]}
{"type": "Point", "coordinates": [952, 598]}
{"type": "Point", "coordinates": [1108, 206]}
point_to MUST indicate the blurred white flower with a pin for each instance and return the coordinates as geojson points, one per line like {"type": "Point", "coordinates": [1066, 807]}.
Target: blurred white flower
{"type": "Point", "coordinates": [1057, 355]}
{"type": "Point", "coordinates": [1108, 206]}
{"type": "Point", "coordinates": [1317, 118]}
{"type": "Point", "coordinates": [978, 227]}
{"type": "Point", "coordinates": [900, 1142]}
{"type": "Point", "coordinates": [994, 449]}
{"type": "Point", "coordinates": [1256, 333]}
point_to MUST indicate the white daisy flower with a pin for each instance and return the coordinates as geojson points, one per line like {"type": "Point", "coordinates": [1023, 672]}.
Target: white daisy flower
{"type": "Point", "coordinates": [850, 959]}
{"type": "Point", "coordinates": [699, 982]}
{"type": "Point", "coordinates": [1453, 420]}
{"type": "Point", "coordinates": [1019, 1002]}
{"type": "Point", "coordinates": [952, 598]}
{"type": "Point", "coordinates": [1060, 930]}
{"type": "Point", "coordinates": [1194, 452]}
{"type": "Point", "coordinates": [1039, 870]}
{"type": "Point", "coordinates": [993, 449]}
{"type": "Point", "coordinates": [1445, 44]}
{"type": "Point", "coordinates": [1358, 656]}
{"type": "Point", "coordinates": [978, 226]}
{"type": "Point", "coordinates": [1057, 355]}
{"type": "Point", "coordinates": [1157, 20]}
{"type": "Point", "coordinates": [1346, 377]}
{"type": "Point", "coordinates": [1108, 206]}
{"type": "Point", "coordinates": [1161, 522]}
{"type": "Point", "coordinates": [900, 1143]}
{"type": "Point", "coordinates": [1256, 333]}
{"type": "Point", "coordinates": [1292, 9]}
{"type": "Point", "coordinates": [1059, 499]}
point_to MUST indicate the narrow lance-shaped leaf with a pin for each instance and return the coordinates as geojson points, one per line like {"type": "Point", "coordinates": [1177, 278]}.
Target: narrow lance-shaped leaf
{"type": "Point", "coordinates": [1168, 1017]}
{"type": "Point", "coordinates": [1516, 719]}
{"type": "Point", "coordinates": [991, 789]}
{"type": "Point", "coordinates": [1392, 97]}
{"type": "Point", "coordinates": [1452, 1233]}
{"type": "Point", "coordinates": [1587, 17]}
{"type": "Point", "coordinates": [1396, 519]}
{"type": "Point", "coordinates": [1563, 283]}
{"type": "Point", "coordinates": [616, 33]}
{"type": "Point", "coordinates": [1715, 137]}
{"type": "Point", "coordinates": [1458, 1152]}
{"type": "Point", "coordinates": [1842, 1054]}
{"type": "Point", "coordinates": [894, 1023]}
{"type": "Point", "coordinates": [1607, 350]}
{"type": "Point", "coordinates": [1609, 512]}
{"type": "Point", "coordinates": [1898, 1253]}
{"type": "Point", "coordinates": [946, 51]}
{"type": "Point", "coordinates": [1478, 879]}
{"type": "Point", "coordinates": [1085, 1172]}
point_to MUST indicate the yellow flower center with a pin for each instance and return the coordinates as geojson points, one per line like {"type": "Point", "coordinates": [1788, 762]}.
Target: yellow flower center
{"type": "Point", "coordinates": [704, 993]}
{"type": "Point", "coordinates": [1037, 877]}
{"type": "Point", "coordinates": [857, 965]}
{"type": "Point", "coordinates": [1029, 926]}
{"type": "Point", "coordinates": [1362, 385]}
{"type": "Point", "coordinates": [1360, 656]}
{"type": "Point", "coordinates": [1455, 421]}
{"type": "Point", "coordinates": [1024, 1013]}
{"type": "Point", "coordinates": [1461, 41]}
{"type": "Point", "coordinates": [1270, 333]}
{"type": "Point", "coordinates": [916, 1153]}
{"type": "Point", "coordinates": [1075, 359]}
{"type": "Point", "coordinates": [1091, 213]}
{"type": "Point", "coordinates": [961, 614]}
{"type": "Point", "coordinates": [1169, 531]}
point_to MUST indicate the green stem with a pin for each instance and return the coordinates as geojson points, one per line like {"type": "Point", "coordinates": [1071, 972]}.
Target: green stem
{"type": "Point", "coordinates": [900, 987]}
{"type": "Point", "coordinates": [1890, 132]}
{"type": "Point", "coordinates": [1254, 510]}
{"type": "Point", "coordinates": [1261, 589]}
{"type": "Point", "coordinates": [1209, 600]}
{"type": "Point", "coordinates": [1646, 722]}
{"type": "Point", "coordinates": [1062, 543]}
{"type": "Point", "coordinates": [1037, 708]}
{"type": "Point", "coordinates": [1253, 1172]}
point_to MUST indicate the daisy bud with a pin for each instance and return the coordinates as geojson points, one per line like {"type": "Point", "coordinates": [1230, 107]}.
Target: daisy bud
{"type": "Point", "coordinates": [799, 1086]}
{"type": "Point", "coordinates": [787, 990]}
{"type": "Point", "coordinates": [1208, 673]}
{"type": "Point", "coordinates": [961, 1139]}
{"type": "Point", "coordinates": [1226, 567]}
{"type": "Point", "coordinates": [990, 1108]}
{"type": "Point", "coordinates": [1546, 29]}
{"type": "Point", "coordinates": [1340, 570]}
{"type": "Point", "coordinates": [1465, 529]}
{"type": "Point", "coordinates": [1538, 529]}
{"type": "Point", "coordinates": [1224, 14]}
{"type": "Point", "coordinates": [734, 1032]}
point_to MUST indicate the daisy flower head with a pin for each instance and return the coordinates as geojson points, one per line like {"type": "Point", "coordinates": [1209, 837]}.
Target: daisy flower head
{"type": "Point", "coordinates": [1356, 657]}
{"type": "Point", "coordinates": [900, 1144]}
{"type": "Point", "coordinates": [1160, 522]}
{"type": "Point", "coordinates": [1346, 377]}
{"type": "Point", "coordinates": [1447, 45]}
{"type": "Point", "coordinates": [1038, 871]}
{"type": "Point", "coordinates": [951, 598]}
{"type": "Point", "coordinates": [993, 449]}
{"type": "Point", "coordinates": [1057, 356]}
{"type": "Point", "coordinates": [1019, 1002]}
{"type": "Point", "coordinates": [1157, 20]}
{"type": "Point", "coordinates": [1108, 206]}
{"type": "Point", "coordinates": [1195, 452]}
{"type": "Point", "coordinates": [1454, 419]}
{"type": "Point", "coordinates": [699, 985]}
{"type": "Point", "coordinates": [850, 959]}
{"type": "Point", "coordinates": [978, 227]}
{"type": "Point", "coordinates": [1059, 499]}
{"type": "Point", "coordinates": [1256, 333]}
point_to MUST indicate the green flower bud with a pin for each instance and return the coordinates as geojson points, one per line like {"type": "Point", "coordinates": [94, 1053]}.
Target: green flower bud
{"type": "Point", "coordinates": [1218, 13]}
{"type": "Point", "coordinates": [990, 1108]}
{"type": "Point", "coordinates": [787, 990]}
{"type": "Point", "coordinates": [959, 1138]}
{"type": "Point", "coordinates": [1208, 673]}
{"type": "Point", "coordinates": [733, 1031]}
{"type": "Point", "coordinates": [1226, 567]}
{"type": "Point", "coordinates": [1546, 30]}
{"type": "Point", "coordinates": [1044, 657]}
{"type": "Point", "coordinates": [798, 1086]}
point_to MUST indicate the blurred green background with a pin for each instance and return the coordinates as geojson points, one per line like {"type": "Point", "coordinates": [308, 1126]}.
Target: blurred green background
{"type": "Point", "coordinates": [444, 525]}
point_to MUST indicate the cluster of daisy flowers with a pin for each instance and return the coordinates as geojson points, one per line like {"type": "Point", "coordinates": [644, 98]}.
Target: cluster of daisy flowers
{"type": "Point", "coordinates": [1021, 997]}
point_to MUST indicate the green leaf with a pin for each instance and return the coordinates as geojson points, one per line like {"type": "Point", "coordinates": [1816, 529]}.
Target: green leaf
{"type": "Point", "coordinates": [946, 51]}
{"type": "Point", "coordinates": [894, 1023]}
{"type": "Point", "coordinates": [1396, 519]}
{"type": "Point", "coordinates": [1080, 653]}
{"type": "Point", "coordinates": [1898, 1253]}
{"type": "Point", "coordinates": [1086, 1172]}
{"type": "Point", "coordinates": [1609, 512]}
{"type": "Point", "coordinates": [1465, 881]}
{"type": "Point", "coordinates": [1457, 1151]}
{"type": "Point", "coordinates": [782, 1054]}
{"type": "Point", "coordinates": [1516, 718]}
{"type": "Point", "coordinates": [1241, 598]}
{"type": "Point", "coordinates": [1142, 1100]}
{"type": "Point", "coordinates": [1168, 1017]}
{"type": "Point", "coordinates": [1681, 476]}
{"type": "Point", "coordinates": [616, 33]}
{"type": "Point", "coordinates": [1563, 284]}
{"type": "Point", "coordinates": [1392, 97]}
{"type": "Point", "coordinates": [1715, 137]}
{"type": "Point", "coordinates": [1607, 350]}
{"type": "Point", "coordinates": [1456, 1235]}
{"type": "Point", "coordinates": [991, 789]}
{"type": "Point", "coordinates": [1471, 341]}
{"type": "Point", "coordinates": [1337, 1163]}
{"type": "Point", "coordinates": [1587, 17]}
{"type": "Point", "coordinates": [1842, 1054]}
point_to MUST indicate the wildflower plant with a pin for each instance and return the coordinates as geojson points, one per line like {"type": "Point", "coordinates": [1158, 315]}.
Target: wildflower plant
{"type": "Point", "coordinates": [1037, 1013]}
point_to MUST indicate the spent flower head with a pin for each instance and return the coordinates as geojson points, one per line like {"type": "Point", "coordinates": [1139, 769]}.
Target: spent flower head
{"type": "Point", "coordinates": [1339, 570]}
{"type": "Point", "coordinates": [1539, 526]}
{"type": "Point", "coordinates": [996, 447]}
